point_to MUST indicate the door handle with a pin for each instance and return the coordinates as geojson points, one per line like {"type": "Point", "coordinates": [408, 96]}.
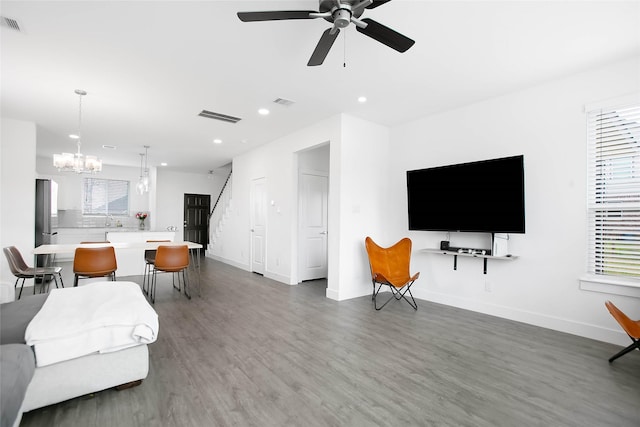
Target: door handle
{"type": "Point", "coordinates": [323, 232]}
{"type": "Point", "coordinates": [252, 230]}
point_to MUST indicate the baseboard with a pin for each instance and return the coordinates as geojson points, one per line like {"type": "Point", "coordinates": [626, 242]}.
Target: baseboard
{"type": "Point", "coordinates": [278, 278]}
{"type": "Point", "coordinates": [581, 329]}
{"type": "Point", "coordinates": [331, 294]}
{"type": "Point", "coordinates": [231, 262]}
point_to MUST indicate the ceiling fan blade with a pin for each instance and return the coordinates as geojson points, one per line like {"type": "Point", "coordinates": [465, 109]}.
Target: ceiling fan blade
{"type": "Point", "coordinates": [323, 46]}
{"type": "Point", "coordinates": [275, 15]}
{"type": "Point", "coordinates": [385, 35]}
{"type": "Point", "coordinates": [377, 3]}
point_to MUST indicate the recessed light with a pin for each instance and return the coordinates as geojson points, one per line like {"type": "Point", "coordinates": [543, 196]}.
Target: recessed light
{"type": "Point", "coordinates": [217, 141]}
{"type": "Point", "coordinates": [263, 111]}
{"type": "Point", "coordinates": [163, 164]}
{"type": "Point", "coordinates": [73, 136]}
{"type": "Point", "coordinates": [362, 99]}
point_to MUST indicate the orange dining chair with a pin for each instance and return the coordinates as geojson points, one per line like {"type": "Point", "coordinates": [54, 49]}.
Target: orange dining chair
{"type": "Point", "coordinates": [94, 262]}
{"type": "Point", "coordinates": [171, 259]}
{"type": "Point", "coordinates": [21, 270]}
{"type": "Point", "coordinates": [390, 267]}
{"type": "Point", "coordinates": [149, 262]}
{"type": "Point", "coordinates": [631, 327]}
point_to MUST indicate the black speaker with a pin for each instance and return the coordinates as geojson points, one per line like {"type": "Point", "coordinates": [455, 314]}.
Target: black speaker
{"type": "Point", "coordinates": [444, 245]}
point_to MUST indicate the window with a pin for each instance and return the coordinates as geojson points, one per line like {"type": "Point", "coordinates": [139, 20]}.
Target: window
{"type": "Point", "coordinates": [105, 197]}
{"type": "Point", "coordinates": [613, 135]}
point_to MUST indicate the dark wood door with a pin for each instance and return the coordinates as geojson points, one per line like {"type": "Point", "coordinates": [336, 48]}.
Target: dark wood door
{"type": "Point", "coordinates": [196, 218]}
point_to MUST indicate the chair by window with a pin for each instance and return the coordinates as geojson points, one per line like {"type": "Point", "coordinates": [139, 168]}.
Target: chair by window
{"type": "Point", "coordinates": [94, 262]}
{"type": "Point", "coordinates": [631, 327]}
{"type": "Point", "coordinates": [390, 267]}
{"type": "Point", "coordinates": [170, 259]}
{"type": "Point", "coordinates": [21, 270]}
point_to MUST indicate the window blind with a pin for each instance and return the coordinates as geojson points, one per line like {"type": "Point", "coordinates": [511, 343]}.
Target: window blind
{"type": "Point", "coordinates": [105, 197]}
{"type": "Point", "coordinates": [614, 191]}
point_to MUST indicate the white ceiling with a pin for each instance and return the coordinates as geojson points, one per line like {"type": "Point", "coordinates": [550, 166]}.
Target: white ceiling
{"type": "Point", "coordinates": [150, 67]}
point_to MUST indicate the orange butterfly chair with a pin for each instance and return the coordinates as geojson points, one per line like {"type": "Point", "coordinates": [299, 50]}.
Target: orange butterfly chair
{"type": "Point", "coordinates": [631, 327]}
{"type": "Point", "coordinates": [390, 267]}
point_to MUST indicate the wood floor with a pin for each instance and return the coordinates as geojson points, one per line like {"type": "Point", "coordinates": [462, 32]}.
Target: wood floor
{"type": "Point", "coordinates": [254, 352]}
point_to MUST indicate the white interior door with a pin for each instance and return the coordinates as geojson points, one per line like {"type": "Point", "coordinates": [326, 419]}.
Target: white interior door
{"type": "Point", "coordinates": [313, 201]}
{"type": "Point", "coordinates": [258, 224]}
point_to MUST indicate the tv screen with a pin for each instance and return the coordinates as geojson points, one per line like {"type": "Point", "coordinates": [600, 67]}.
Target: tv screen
{"type": "Point", "coordinates": [483, 196]}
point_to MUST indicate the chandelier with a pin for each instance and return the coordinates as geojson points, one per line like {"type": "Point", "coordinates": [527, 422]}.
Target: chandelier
{"type": "Point", "coordinates": [78, 163]}
{"type": "Point", "coordinates": [143, 183]}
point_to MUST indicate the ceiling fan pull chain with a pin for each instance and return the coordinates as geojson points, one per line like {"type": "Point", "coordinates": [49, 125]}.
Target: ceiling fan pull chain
{"type": "Point", "coordinates": [344, 51]}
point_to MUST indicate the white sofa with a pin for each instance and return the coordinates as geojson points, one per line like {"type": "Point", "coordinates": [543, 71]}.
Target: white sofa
{"type": "Point", "coordinates": [65, 379]}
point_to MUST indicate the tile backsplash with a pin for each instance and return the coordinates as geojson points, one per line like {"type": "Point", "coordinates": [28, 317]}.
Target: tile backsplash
{"type": "Point", "coordinates": [74, 219]}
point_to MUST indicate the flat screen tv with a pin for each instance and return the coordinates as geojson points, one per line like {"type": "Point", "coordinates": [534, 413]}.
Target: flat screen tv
{"type": "Point", "coordinates": [484, 196]}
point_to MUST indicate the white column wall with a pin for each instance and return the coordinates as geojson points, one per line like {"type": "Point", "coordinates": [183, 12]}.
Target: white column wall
{"type": "Point", "coordinates": [364, 207]}
{"type": "Point", "coordinates": [17, 183]}
{"type": "Point", "coordinates": [547, 124]}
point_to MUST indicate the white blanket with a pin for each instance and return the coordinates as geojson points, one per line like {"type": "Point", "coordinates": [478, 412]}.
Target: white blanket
{"type": "Point", "coordinates": [98, 317]}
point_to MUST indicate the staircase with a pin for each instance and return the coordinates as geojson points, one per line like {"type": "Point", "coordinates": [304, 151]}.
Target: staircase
{"type": "Point", "coordinates": [220, 212]}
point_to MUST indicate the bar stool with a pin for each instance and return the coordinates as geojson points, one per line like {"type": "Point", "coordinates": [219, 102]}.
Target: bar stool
{"type": "Point", "coordinates": [170, 259]}
{"type": "Point", "coordinates": [94, 262]}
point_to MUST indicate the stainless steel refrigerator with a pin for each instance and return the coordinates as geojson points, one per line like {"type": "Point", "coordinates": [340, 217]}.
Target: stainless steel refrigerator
{"type": "Point", "coordinates": [44, 234]}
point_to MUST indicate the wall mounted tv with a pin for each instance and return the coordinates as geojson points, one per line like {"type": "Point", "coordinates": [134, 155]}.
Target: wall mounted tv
{"type": "Point", "coordinates": [484, 196]}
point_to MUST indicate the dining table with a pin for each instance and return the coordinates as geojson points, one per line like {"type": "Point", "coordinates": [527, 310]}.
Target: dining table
{"type": "Point", "coordinates": [51, 250]}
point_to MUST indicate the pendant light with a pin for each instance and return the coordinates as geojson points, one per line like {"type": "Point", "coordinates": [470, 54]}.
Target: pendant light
{"type": "Point", "coordinates": [77, 162]}
{"type": "Point", "coordinates": [143, 183]}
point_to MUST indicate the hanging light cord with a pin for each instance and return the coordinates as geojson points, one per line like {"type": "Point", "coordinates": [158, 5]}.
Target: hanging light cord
{"type": "Point", "coordinates": [79, 120]}
{"type": "Point", "coordinates": [344, 57]}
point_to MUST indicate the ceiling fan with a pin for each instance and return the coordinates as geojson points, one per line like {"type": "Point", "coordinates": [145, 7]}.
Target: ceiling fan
{"type": "Point", "coordinates": [340, 13]}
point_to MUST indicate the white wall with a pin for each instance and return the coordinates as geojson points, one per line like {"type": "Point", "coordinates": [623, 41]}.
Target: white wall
{"type": "Point", "coordinates": [277, 162]}
{"type": "Point", "coordinates": [17, 200]}
{"type": "Point", "coordinates": [172, 186]}
{"type": "Point", "coordinates": [70, 187]}
{"type": "Point", "coordinates": [357, 189]}
{"type": "Point", "coordinates": [364, 209]}
{"type": "Point", "coordinates": [547, 124]}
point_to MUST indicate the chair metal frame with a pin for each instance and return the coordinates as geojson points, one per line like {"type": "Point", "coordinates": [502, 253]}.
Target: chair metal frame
{"type": "Point", "coordinates": [149, 263]}
{"type": "Point", "coordinates": [631, 327]}
{"type": "Point", "coordinates": [392, 271]}
{"type": "Point", "coordinates": [21, 270]}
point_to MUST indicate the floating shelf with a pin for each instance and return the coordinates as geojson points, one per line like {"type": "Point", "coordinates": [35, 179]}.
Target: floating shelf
{"type": "Point", "coordinates": [456, 254]}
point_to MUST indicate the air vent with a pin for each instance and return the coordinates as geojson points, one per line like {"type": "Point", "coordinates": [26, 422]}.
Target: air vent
{"type": "Point", "coordinates": [218, 116]}
{"type": "Point", "coordinates": [285, 102]}
{"type": "Point", "coordinates": [9, 23]}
